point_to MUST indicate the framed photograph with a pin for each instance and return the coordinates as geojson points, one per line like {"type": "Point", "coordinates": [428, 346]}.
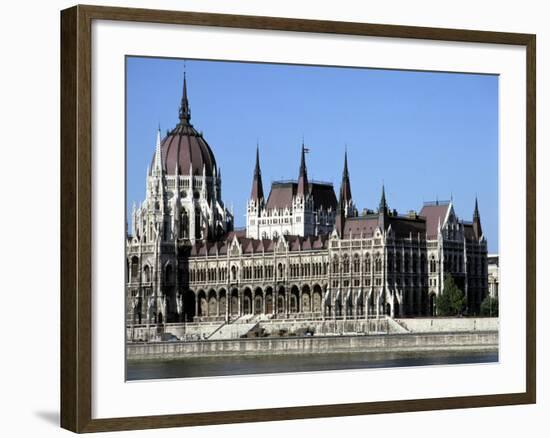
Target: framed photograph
{"type": "Point", "coordinates": [268, 218]}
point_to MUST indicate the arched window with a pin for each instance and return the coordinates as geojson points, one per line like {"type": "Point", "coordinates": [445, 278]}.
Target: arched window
{"type": "Point", "coordinates": [433, 265]}
{"type": "Point", "coordinates": [407, 262]}
{"type": "Point", "coordinates": [367, 263]}
{"type": "Point", "coordinates": [335, 265]}
{"type": "Point", "coordinates": [346, 264]}
{"type": "Point", "coordinates": [378, 263]}
{"type": "Point", "coordinates": [281, 270]}
{"type": "Point", "coordinates": [356, 264]}
{"type": "Point", "coordinates": [233, 273]}
{"type": "Point", "coordinates": [134, 268]}
{"type": "Point", "coordinates": [390, 262]}
{"type": "Point", "coordinates": [146, 274]}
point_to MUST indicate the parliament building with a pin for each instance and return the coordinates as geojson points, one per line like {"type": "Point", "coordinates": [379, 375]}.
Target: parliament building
{"type": "Point", "coordinates": [304, 254]}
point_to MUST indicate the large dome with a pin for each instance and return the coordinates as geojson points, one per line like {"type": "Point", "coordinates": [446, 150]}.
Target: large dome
{"type": "Point", "coordinates": [184, 148]}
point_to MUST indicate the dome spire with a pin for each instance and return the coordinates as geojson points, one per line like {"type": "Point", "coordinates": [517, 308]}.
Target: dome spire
{"type": "Point", "coordinates": [185, 111]}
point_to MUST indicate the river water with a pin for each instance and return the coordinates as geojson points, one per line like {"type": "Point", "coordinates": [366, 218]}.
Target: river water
{"type": "Point", "coordinates": [267, 364]}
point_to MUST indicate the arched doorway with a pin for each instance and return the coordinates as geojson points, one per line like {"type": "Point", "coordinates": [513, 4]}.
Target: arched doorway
{"type": "Point", "coordinates": [306, 299]}
{"type": "Point", "coordinates": [317, 298]}
{"type": "Point", "coordinates": [269, 300]}
{"type": "Point", "coordinates": [258, 302]}
{"type": "Point", "coordinates": [281, 300]}
{"type": "Point", "coordinates": [223, 301]}
{"type": "Point", "coordinates": [234, 303]}
{"type": "Point", "coordinates": [203, 304]}
{"type": "Point", "coordinates": [247, 302]}
{"type": "Point", "coordinates": [212, 303]}
{"type": "Point", "coordinates": [294, 299]}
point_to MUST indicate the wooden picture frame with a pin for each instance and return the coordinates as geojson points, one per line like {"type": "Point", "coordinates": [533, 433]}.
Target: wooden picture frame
{"type": "Point", "coordinates": [76, 218]}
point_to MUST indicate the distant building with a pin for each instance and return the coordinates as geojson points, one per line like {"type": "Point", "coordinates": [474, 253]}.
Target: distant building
{"type": "Point", "coordinates": [304, 253]}
{"type": "Point", "coordinates": [494, 277]}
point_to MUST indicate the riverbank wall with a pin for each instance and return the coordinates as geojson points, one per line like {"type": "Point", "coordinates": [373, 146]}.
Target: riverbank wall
{"type": "Point", "coordinates": [297, 327]}
{"type": "Point", "coordinates": [465, 341]}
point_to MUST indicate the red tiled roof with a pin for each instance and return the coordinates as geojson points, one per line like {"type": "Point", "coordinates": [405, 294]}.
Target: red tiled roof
{"type": "Point", "coordinates": [434, 214]}
{"type": "Point", "coordinates": [281, 195]}
{"type": "Point", "coordinates": [408, 227]}
{"type": "Point", "coordinates": [250, 246]}
{"type": "Point", "coordinates": [362, 225]}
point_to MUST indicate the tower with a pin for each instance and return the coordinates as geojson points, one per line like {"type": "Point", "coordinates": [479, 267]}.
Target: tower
{"type": "Point", "coordinates": [256, 202]}
{"type": "Point", "coordinates": [302, 204]}
{"type": "Point", "coordinates": [383, 210]}
{"type": "Point", "coordinates": [478, 232]}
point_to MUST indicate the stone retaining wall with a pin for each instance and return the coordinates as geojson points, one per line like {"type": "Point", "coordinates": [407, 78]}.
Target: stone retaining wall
{"type": "Point", "coordinates": [429, 325]}
{"type": "Point", "coordinates": [478, 341]}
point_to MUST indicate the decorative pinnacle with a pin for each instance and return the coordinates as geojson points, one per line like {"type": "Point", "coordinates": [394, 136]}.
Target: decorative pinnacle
{"type": "Point", "coordinates": [476, 210]}
{"type": "Point", "coordinates": [383, 205]}
{"type": "Point", "coordinates": [185, 111]}
{"type": "Point", "coordinates": [257, 186]}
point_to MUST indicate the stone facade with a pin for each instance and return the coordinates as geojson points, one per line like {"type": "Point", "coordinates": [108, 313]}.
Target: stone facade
{"type": "Point", "coordinates": [494, 275]}
{"type": "Point", "coordinates": [304, 253]}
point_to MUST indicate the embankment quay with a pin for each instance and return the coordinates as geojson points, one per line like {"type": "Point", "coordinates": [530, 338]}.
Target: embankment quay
{"type": "Point", "coordinates": [404, 342]}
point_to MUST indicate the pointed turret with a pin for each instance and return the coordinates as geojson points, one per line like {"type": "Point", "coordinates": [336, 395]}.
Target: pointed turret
{"type": "Point", "coordinates": [157, 168]}
{"type": "Point", "coordinates": [478, 232]}
{"type": "Point", "coordinates": [257, 193]}
{"type": "Point", "coordinates": [303, 184]}
{"type": "Point", "coordinates": [344, 202]}
{"type": "Point", "coordinates": [185, 111]}
{"type": "Point", "coordinates": [383, 210]}
{"type": "Point", "coordinates": [345, 187]}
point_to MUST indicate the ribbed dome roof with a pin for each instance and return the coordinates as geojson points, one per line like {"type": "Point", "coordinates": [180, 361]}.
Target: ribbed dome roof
{"type": "Point", "coordinates": [184, 148]}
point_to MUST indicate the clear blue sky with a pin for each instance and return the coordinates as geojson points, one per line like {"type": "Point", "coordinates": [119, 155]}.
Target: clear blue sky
{"type": "Point", "coordinates": [425, 135]}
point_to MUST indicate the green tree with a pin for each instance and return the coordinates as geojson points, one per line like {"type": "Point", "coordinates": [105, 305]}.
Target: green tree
{"type": "Point", "coordinates": [489, 306]}
{"type": "Point", "coordinates": [451, 301]}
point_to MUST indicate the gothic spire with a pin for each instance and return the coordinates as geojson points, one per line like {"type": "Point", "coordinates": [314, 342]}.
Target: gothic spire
{"type": "Point", "coordinates": [257, 193]}
{"type": "Point", "coordinates": [383, 206]}
{"type": "Point", "coordinates": [345, 187]}
{"type": "Point", "coordinates": [185, 111]}
{"type": "Point", "coordinates": [158, 158]}
{"type": "Point", "coordinates": [478, 232]}
{"type": "Point", "coordinates": [383, 210]}
{"type": "Point", "coordinates": [303, 185]}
